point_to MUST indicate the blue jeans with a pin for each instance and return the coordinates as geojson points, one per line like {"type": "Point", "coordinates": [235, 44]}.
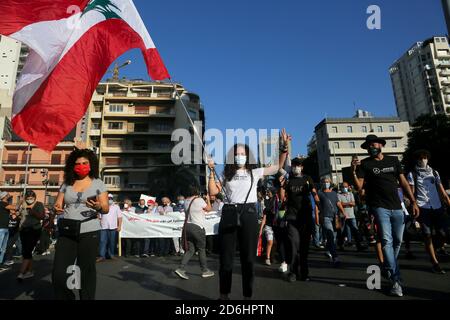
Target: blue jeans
{"type": "Point", "coordinates": [316, 234]}
{"type": "Point", "coordinates": [330, 235]}
{"type": "Point", "coordinates": [107, 243]}
{"type": "Point", "coordinates": [391, 224]}
{"type": "Point", "coordinates": [4, 235]}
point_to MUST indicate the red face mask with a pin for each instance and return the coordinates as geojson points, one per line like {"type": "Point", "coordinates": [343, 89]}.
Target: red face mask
{"type": "Point", "coordinates": [82, 170]}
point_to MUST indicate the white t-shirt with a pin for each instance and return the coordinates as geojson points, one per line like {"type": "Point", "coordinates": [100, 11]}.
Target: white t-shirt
{"type": "Point", "coordinates": [427, 194]}
{"type": "Point", "coordinates": [196, 212]}
{"type": "Point", "coordinates": [237, 189]}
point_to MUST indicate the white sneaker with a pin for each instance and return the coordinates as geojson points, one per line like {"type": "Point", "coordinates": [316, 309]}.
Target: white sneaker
{"type": "Point", "coordinates": [268, 262]}
{"type": "Point", "coordinates": [283, 268]}
{"type": "Point", "coordinates": [9, 263]}
{"type": "Point", "coordinates": [28, 275]}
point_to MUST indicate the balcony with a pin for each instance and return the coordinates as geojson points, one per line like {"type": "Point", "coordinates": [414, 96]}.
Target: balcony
{"type": "Point", "coordinates": [96, 115]}
{"type": "Point", "coordinates": [94, 132]}
{"type": "Point", "coordinates": [362, 135]}
{"type": "Point", "coordinates": [447, 99]}
{"type": "Point", "coordinates": [445, 82]}
{"type": "Point", "coordinates": [168, 113]}
{"type": "Point", "coordinates": [32, 164]}
{"type": "Point", "coordinates": [445, 73]}
{"type": "Point", "coordinates": [130, 149]}
{"type": "Point", "coordinates": [12, 184]}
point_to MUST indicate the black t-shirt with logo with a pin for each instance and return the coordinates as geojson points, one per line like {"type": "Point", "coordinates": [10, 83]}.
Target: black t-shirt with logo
{"type": "Point", "coordinates": [298, 201]}
{"type": "Point", "coordinates": [381, 182]}
{"type": "Point", "coordinates": [4, 215]}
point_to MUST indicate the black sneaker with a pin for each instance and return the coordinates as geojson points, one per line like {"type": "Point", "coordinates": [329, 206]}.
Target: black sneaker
{"type": "Point", "coordinates": [292, 277]}
{"type": "Point", "coordinates": [436, 268]}
{"type": "Point", "coordinates": [443, 253]}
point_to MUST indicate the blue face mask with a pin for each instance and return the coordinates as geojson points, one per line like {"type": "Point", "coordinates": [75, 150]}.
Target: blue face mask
{"type": "Point", "coordinates": [240, 160]}
{"type": "Point", "coordinates": [181, 202]}
{"type": "Point", "coordinates": [327, 185]}
{"type": "Point", "coordinates": [345, 190]}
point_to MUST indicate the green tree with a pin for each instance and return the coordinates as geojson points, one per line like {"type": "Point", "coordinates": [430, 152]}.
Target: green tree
{"type": "Point", "coordinates": [311, 166]}
{"type": "Point", "coordinates": [431, 132]}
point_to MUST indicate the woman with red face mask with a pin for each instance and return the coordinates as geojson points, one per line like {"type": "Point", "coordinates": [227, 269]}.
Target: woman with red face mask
{"type": "Point", "coordinates": [81, 199]}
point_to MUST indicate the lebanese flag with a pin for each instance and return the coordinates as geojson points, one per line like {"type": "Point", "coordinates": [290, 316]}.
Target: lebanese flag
{"type": "Point", "coordinates": [72, 44]}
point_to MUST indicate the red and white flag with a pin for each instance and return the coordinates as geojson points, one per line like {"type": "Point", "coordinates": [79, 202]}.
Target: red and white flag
{"type": "Point", "coordinates": [72, 44]}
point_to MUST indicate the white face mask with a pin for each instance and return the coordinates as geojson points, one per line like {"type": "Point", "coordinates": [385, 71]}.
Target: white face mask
{"type": "Point", "coordinates": [30, 201]}
{"type": "Point", "coordinates": [125, 205]}
{"type": "Point", "coordinates": [297, 170]}
{"type": "Point", "coordinates": [111, 202]}
{"type": "Point", "coordinates": [423, 163]}
{"type": "Point", "coordinates": [240, 160]}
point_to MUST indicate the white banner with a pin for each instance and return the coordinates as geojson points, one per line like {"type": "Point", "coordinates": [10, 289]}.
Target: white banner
{"type": "Point", "coordinates": [157, 226]}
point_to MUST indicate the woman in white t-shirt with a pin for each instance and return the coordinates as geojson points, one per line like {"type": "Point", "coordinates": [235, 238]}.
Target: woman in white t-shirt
{"type": "Point", "coordinates": [194, 233]}
{"type": "Point", "coordinates": [239, 217]}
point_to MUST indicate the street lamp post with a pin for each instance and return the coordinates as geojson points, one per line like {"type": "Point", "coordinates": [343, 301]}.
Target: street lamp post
{"type": "Point", "coordinates": [44, 173]}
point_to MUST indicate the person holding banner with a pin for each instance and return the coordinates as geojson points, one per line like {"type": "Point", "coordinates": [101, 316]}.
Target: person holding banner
{"type": "Point", "coordinates": [239, 216]}
{"type": "Point", "coordinates": [194, 234]}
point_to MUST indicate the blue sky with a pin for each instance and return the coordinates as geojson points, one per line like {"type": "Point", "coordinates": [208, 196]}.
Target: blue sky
{"type": "Point", "coordinates": [286, 63]}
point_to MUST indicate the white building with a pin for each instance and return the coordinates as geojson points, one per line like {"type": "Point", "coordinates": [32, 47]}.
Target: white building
{"type": "Point", "coordinates": [421, 80]}
{"type": "Point", "coordinates": [339, 139]}
{"type": "Point", "coordinates": [12, 59]}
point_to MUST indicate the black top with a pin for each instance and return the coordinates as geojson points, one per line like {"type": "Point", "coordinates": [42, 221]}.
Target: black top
{"type": "Point", "coordinates": [381, 182]}
{"type": "Point", "coordinates": [34, 216]}
{"type": "Point", "coordinates": [139, 210]}
{"type": "Point", "coordinates": [4, 215]}
{"type": "Point", "coordinates": [269, 211]}
{"type": "Point", "coordinates": [298, 202]}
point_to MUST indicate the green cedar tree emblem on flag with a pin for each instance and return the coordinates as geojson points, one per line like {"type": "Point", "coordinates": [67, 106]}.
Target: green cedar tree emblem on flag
{"type": "Point", "coordinates": [105, 7]}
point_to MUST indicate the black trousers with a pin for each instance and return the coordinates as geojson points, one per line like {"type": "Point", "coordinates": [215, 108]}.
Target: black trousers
{"type": "Point", "coordinates": [84, 251]}
{"type": "Point", "coordinates": [281, 238]}
{"type": "Point", "coordinates": [299, 235]}
{"type": "Point", "coordinates": [247, 236]}
{"type": "Point", "coordinates": [29, 238]}
{"type": "Point", "coordinates": [44, 241]}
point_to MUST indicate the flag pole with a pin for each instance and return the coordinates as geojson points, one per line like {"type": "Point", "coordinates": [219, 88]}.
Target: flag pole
{"type": "Point", "coordinates": [26, 169]}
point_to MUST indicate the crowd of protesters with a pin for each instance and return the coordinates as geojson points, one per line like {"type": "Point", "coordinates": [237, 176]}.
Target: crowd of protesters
{"type": "Point", "coordinates": [380, 206]}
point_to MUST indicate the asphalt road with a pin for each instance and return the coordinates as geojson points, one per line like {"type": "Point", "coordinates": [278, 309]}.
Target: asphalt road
{"type": "Point", "coordinates": [153, 279]}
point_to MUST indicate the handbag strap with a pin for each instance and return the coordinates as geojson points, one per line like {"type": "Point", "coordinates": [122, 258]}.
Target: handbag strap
{"type": "Point", "coordinates": [248, 194]}
{"type": "Point", "coordinates": [189, 209]}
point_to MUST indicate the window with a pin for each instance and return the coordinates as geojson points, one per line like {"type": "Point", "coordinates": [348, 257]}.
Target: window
{"type": "Point", "coordinates": [163, 127]}
{"type": "Point", "coordinates": [352, 145]}
{"type": "Point", "coordinates": [112, 161]}
{"type": "Point", "coordinates": [53, 180]}
{"type": "Point", "coordinates": [95, 126]}
{"type": "Point", "coordinates": [338, 161]}
{"type": "Point", "coordinates": [336, 145]}
{"type": "Point", "coordinates": [140, 145]}
{"type": "Point", "coordinates": [349, 129]}
{"type": "Point", "coordinates": [112, 180]}
{"type": "Point", "coordinates": [394, 144]}
{"type": "Point", "coordinates": [97, 108]}
{"type": "Point", "coordinates": [115, 125]}
{"type": "Point", "coordinates": [391, 129]}
{"type": "Point", "coordinates": [114, 143]}
{"type": "Point", "coordinates": [22, 179]}
{"type": "Point", "coordinates": [141, 110]}
{"type": "Point", "coordinates": [56, 159]}
{"type": "Point", "coordinates": [139, 162]}
{"type": "Point", "coordinates": [380, 129]}
{"type": "Point", "coordinates": [12, 158]}
{"type": "Point", "coordinates": [334, 129]}
{"type": "Point", "coordinates": [364, 128]}
{"type": "Point", "coordinates": [141, 127]}
{"type": "Point", "coordinates": [10, 179]}
{"type": "Point", "coordinates": [116, 108]}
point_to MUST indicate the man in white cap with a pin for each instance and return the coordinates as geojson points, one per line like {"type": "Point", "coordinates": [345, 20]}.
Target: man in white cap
{"type": "Point", "coordinates": [111, 224]}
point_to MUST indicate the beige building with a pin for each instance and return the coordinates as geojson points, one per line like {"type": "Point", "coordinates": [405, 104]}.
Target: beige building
{"type": "Point", "coordinates": [339, 139]}
{"type": "Point", "coordinates": [421, 80]}
{"type": "Point", "coordinates": [12, 59]}
{"type": "Point", "coordinates": [130, 124]}
{"type": "Point", "coordinates": [45, 171]}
